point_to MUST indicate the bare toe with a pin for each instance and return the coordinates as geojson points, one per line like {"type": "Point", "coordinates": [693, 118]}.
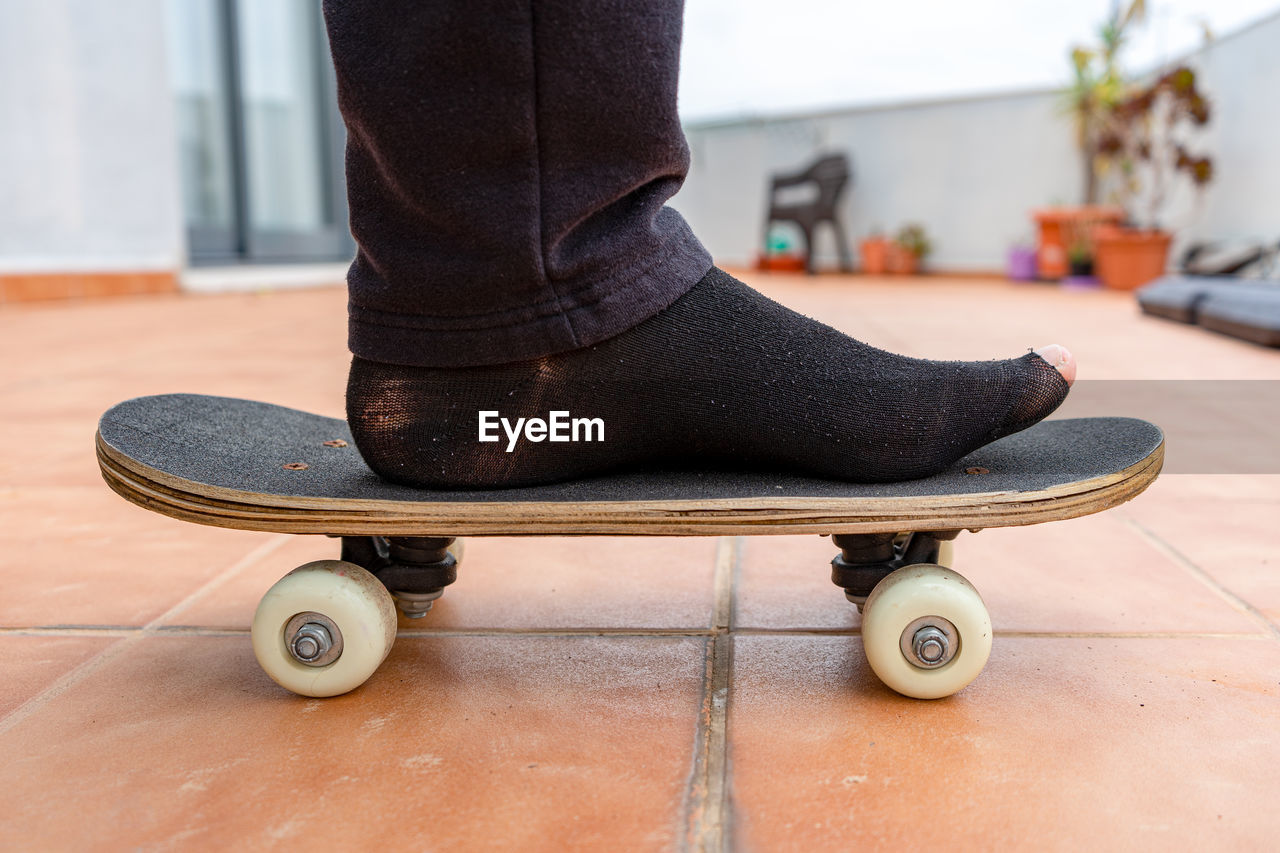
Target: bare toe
{"type": "Point", "coordinates": [1062, 360]}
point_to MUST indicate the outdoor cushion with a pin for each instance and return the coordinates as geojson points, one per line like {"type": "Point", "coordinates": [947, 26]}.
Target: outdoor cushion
{"type": "Point", "coordinates": [1180, 297]}
{"type": "Point", "coordinates": [1250, 313]}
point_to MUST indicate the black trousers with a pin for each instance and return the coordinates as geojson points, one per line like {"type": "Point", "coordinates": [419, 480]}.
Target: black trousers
{"type": "Point", "coordinates": [508, 162]}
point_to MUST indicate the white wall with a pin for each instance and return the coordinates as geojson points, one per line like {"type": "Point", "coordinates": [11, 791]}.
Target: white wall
{"type": "Point", "coordinates": [971, 169]}
{"type": "Point", "coordinates": [1241, 77]}
{"type": "Point", "coordinates": [88, 172]}
{"type": "Point", "coordinates": [968, 170]}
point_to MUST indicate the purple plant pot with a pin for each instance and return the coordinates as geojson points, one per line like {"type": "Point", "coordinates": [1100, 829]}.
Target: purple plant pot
{"type": "Point", "coordinates": [1022, 264]}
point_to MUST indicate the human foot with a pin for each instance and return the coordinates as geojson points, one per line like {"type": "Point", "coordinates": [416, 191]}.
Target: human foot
{"type": "Point", "coordinates": [723, 374]}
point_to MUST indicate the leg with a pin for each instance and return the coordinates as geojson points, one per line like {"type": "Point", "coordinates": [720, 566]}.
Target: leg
{"type": "Point", "coordinates": [842, 245]}
{"type": "Point", "coordinates": [507, 168]}
{"type": "Point", "coordinates": [806, 234]}
{"type": "Point", "coordinates": [507, 171]}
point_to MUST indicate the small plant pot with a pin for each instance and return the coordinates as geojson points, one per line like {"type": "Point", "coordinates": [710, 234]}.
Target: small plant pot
{"type": "Point", "coordinates": [780, 263]}
{"type": "Point", "coordinates": [1022, 264]}
{"type": "Point", "coordinates": [1127, 258]}
{"type": "Point", "coordinates": [875, 255]}
{"type": "Point", "coordinates": [902, 262]}
{"type": "Point", "coordinates": [1081, 269]}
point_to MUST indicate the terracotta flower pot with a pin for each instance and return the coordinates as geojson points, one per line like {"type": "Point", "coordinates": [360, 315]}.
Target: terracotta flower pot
{"type": "Point", "coordinates": [875, 255]}
{"type": "Point", "coordinates": [902, 262]}
{"type": "Point", "coordinates": [1056, 223]}
{"type": "Point", "coordinates": [780, 263]}
{"type": "Point", "coordinates": [1127, 258]}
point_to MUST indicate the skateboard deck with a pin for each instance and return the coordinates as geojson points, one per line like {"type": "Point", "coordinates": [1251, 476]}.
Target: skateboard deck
{"type": "Point", "coordinates": [326, 626]}
{"type": "Point", "coordinates": [257, 466]}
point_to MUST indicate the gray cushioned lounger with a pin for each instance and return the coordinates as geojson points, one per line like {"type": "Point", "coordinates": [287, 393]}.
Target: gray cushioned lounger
{"type": "Point", "coordinates": [1252, 313]}
{"type": "Point", "coordinates": [1179, 297]}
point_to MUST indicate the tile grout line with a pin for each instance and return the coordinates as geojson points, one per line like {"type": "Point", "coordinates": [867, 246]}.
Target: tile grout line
{"type": "Point", "coordinates": [1133, 635]}
{"type": "Point", "coordinates": [1204, 577]}
{"type": "Point", "coordinates": [706, 803]}
{"type": "Point", "coordinates": [93, 664]}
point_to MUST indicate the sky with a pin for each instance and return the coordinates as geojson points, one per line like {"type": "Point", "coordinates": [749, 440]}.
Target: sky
{"type": "Point", "coordinates": [756, 57]}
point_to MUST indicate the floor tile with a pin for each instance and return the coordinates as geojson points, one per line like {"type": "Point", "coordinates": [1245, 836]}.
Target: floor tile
{"type": "Point", "coordinates": [1122, 744]}
{"type": "Point", "coordinates": [30, 664]}
{"type": "Point", "coordinates": [532, 743]}
{"type": "Point", "coordinates": [1229, 533]}
{"type": "Point", "coordinates": [784, 582]}
{"type": "Point", "coordinates": [82, 556]}
{"type": "Point", "coordinates": [50, 452]}
{"type": "Point", "coordinates": [522, 583]}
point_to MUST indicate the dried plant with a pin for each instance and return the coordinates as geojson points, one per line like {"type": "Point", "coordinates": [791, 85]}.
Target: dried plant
{"type": "Point", "coordinates": [1145, 140]}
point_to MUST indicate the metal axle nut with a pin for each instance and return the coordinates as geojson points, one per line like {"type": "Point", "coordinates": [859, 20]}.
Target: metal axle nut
{"type": "Point", "coordinates": [313, 639]}
{"type": "Point", "coordinates": [930, 642]}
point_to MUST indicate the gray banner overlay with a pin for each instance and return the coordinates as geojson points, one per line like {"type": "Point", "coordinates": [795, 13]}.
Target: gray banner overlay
{"type": "Point", "coordinates": [1211, 426]}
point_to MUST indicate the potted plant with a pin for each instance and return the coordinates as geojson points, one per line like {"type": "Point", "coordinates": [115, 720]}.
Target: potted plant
{"type": "Point", "coordinates": [874, 251]}
{"type": "Point", "coordinates": [1145, 142]}
{"type": "Point", "coordinates": [1080, 259]}
{"type": "Point", "coordinates": [778, 255]}
{"type": "Point", "coordinates": [1081, 251]}
{"type": "Point", "coordinates": [909, 249]}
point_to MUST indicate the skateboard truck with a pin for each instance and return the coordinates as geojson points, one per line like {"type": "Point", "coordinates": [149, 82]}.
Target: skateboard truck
{"type": "Point", "coordinates": [925, 629]}
{"type": "Point", "coordinates": [865, 559]}
{"type": "Point", "coordinates": [416, 569]}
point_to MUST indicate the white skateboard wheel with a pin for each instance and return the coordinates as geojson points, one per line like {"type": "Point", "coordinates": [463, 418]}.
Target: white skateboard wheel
{"type": "Point", "coordinates": [926, 631]}
{"type": "Point", "coordinates": [324, 628]}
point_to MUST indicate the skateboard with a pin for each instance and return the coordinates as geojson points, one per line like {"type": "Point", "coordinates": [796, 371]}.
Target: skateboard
{"type": "Point", "coordinates": [325, 627]}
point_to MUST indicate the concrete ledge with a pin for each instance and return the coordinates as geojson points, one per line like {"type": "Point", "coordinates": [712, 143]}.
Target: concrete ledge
{"type": "Point", "coordinates": [248, 278]}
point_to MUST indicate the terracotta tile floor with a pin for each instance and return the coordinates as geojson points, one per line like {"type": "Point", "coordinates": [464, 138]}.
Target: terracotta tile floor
{"type": "Point", "coordinates": [624, 694]}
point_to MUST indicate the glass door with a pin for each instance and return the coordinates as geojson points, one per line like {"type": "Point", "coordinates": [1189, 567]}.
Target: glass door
{"type": "Point", "coordinates": [259, 131]}
{"type": "Point", "coordinates": [284, 89]}
{"type": "Point", "coordinates": [199, 76]}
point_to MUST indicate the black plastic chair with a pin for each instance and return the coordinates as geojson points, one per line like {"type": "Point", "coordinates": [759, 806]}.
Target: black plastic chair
{"type": "Point", "coordinates": [830, 175]}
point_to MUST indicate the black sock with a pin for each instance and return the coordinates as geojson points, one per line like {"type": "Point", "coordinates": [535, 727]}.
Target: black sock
{"type": "Point", "coordinates": [722, 376]}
